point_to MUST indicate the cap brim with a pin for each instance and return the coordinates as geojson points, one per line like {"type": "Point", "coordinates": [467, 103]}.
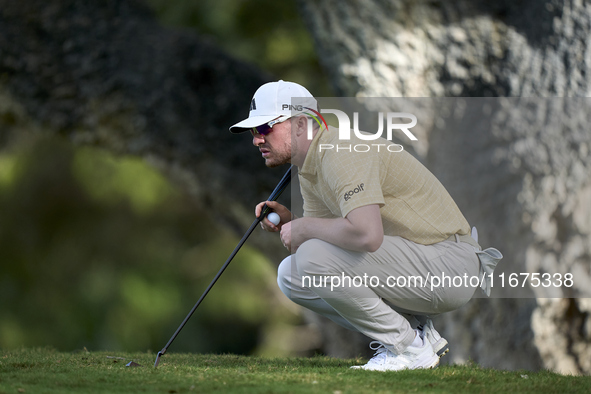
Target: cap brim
{"type": "Point", "coordinates": [251, 122]}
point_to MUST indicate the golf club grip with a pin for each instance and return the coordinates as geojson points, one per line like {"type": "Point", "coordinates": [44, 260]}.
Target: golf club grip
{"type": "Point", "coordinates": [281, 186]}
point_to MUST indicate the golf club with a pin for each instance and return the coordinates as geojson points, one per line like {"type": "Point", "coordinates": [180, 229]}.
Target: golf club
{"type": "Point", "coordinates": [276, 193]}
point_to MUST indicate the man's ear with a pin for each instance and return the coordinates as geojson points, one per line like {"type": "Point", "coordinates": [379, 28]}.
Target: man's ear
{"type": "Point", "coordinates": [301, 125]}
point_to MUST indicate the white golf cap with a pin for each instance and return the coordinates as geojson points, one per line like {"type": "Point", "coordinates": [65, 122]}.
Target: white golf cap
{"type": "Point", "coordinates": [273, 100]}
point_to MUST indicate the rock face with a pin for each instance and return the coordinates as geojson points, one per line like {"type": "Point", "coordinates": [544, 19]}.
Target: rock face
{"type": "Point", "coordinates": [521, 175]}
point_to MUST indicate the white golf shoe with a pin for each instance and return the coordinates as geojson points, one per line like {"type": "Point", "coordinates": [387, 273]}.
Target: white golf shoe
{"type": "Point", "coordinates": [412, 358]}
{"type": "Point", "coordinates": [439, 344]}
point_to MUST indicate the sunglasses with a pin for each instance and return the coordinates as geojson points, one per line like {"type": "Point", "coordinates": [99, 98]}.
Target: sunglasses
{"type": "Point", "coordinates": [266, 128]}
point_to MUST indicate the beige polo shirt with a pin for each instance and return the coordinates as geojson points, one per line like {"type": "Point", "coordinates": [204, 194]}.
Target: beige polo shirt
{"type": "Point", "coordinates": [413, 203]}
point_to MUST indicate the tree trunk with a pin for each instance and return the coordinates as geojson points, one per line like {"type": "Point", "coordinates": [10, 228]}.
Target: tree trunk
{"type": "Point", "coordinates": [523, 178]}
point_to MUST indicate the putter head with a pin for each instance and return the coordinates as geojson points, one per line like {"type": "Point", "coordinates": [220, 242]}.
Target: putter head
{"type": "Point", "coordinates": [160, 353]}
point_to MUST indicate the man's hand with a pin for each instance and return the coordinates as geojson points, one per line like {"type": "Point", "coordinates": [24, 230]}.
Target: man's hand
{"type": "Point", "coordinates": [279, 209]}
{"type": "Point", "coordinates": [293, 239]}
{"type": "Point", "coordinates": [285, 236]}
{"type": "Point", "coordinates": [361, 230]}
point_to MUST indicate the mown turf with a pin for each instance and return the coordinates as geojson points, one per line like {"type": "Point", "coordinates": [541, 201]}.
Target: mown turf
{"type": "Point", "coordinates": [48, 371]}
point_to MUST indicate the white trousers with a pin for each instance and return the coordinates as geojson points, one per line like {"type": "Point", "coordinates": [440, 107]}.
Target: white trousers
{"type": "Point", "coordinates": [380, 294]}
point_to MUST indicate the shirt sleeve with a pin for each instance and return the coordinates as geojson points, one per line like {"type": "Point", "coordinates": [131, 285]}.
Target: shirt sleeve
{"type": "Point", "coordinates": [315, 207]}
{"type": "Point", "coordinates": [353, 179]}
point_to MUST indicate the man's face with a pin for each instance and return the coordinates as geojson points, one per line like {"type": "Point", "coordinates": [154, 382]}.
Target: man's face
{"type": "Point", "coordinates": [275, 147]}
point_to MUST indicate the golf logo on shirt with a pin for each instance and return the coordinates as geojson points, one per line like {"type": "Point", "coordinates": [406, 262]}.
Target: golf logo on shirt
{"type": "Point", "coordinates": [352, 192]}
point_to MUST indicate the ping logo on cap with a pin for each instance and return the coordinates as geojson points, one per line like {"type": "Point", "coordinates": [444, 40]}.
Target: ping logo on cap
{"type": "Point", "coordinates": [292, 107]}
{"type": "Point", "coordinates": [253, 105]}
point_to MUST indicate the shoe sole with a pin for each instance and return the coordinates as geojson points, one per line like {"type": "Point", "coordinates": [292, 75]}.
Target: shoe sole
{"type": "Point", "coordinates": [431, 365]}
{"type": "Point", "coordinates": [441, 347]}
{"type": "Point", "coordinates": [427, 364]}
{"type": "Point", "coordinates": [443, 352]}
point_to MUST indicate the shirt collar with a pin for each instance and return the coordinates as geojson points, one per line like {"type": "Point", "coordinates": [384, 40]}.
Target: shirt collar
{"type": "Point", "coordinates": [313, 157]}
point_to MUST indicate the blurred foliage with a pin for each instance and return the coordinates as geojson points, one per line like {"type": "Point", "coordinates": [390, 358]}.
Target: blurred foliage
{"type": "Point", "coordinates": [268, 33]}
{"type": "Point", "coordinates": [102, 252]}
{"type": "Point", "coordinates": [110, 180]}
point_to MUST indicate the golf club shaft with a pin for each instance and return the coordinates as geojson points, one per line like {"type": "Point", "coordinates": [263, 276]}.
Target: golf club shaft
{"type": "Point", "coordinates": [281, 186]}
{"type": "Point", "coordinates": [220, 272]}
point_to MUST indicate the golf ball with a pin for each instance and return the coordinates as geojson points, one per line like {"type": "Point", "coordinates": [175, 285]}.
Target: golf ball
{"type": "Point", "coordinates": [274, 218]}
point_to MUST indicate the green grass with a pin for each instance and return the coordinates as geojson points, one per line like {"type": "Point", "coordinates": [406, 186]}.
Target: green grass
{"type": "Point", "coordinates": [48, 371]}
